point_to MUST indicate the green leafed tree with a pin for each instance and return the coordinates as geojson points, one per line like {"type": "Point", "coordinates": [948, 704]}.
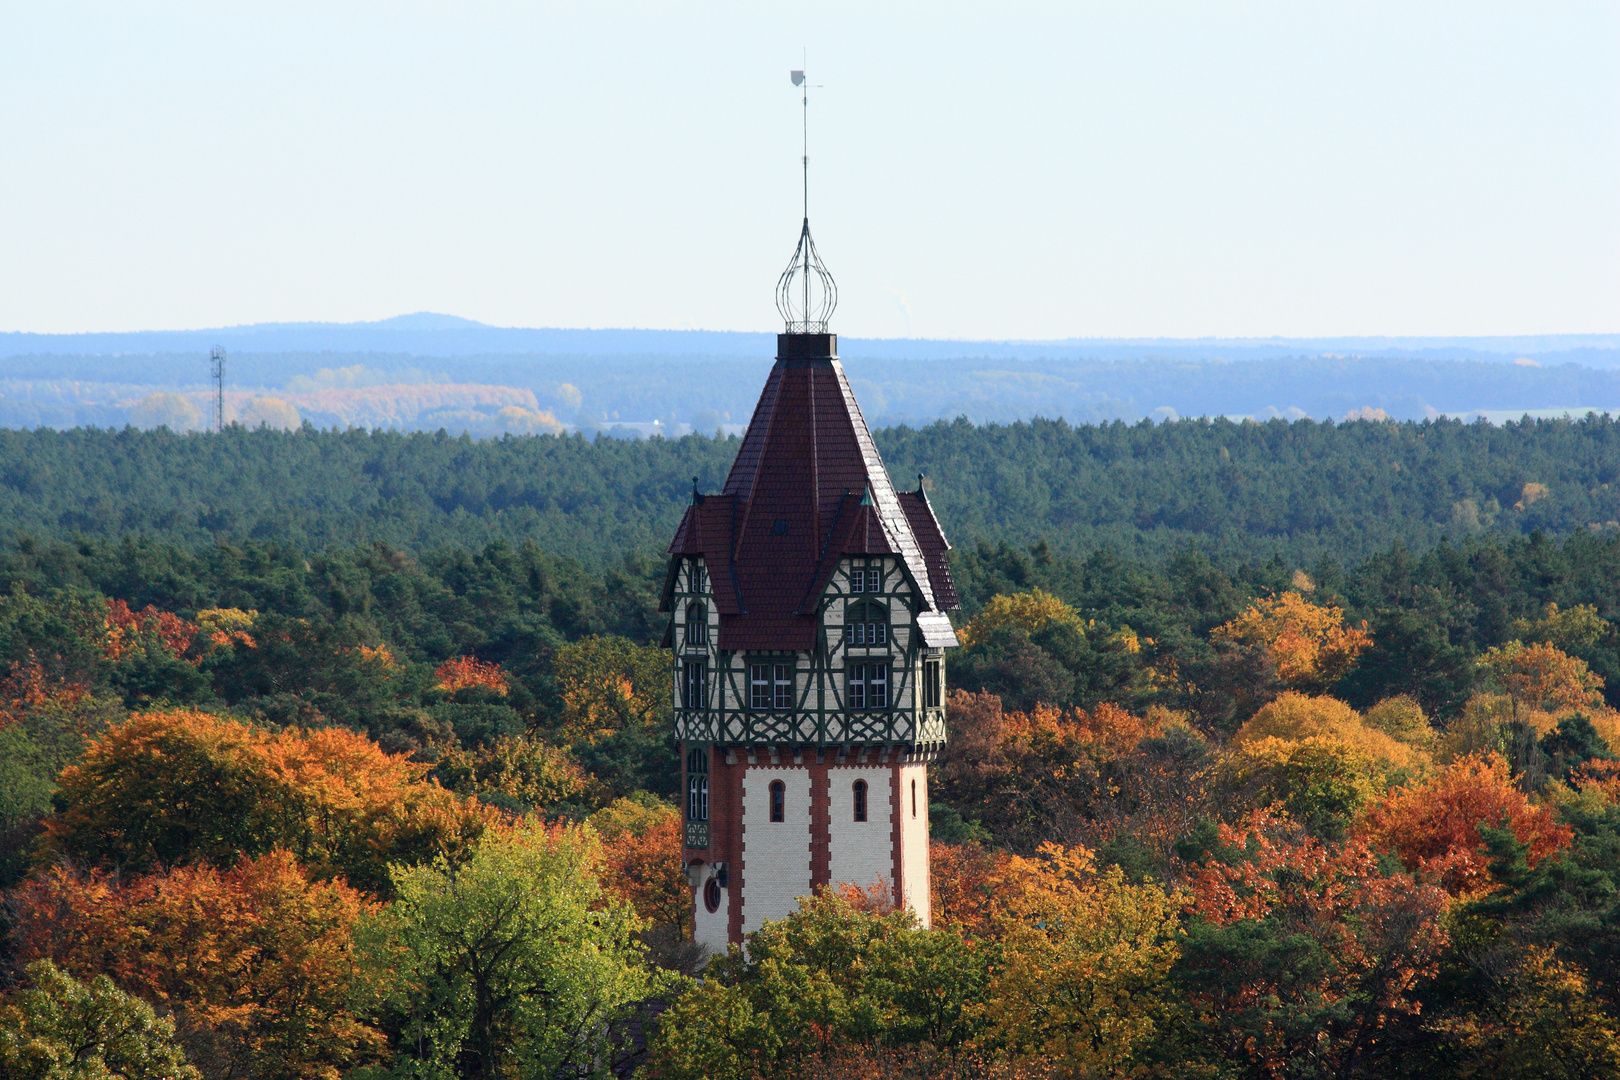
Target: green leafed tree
{"type": "Point", "coordinates": [514, 964]}
{"type": "Point", "coordinates": [62, 1029]}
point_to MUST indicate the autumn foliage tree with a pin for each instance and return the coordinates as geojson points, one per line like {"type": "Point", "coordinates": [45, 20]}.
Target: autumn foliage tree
{"type": "Point", "coordinates": [171, 788]}
{"type": "Point", "coordinates": [257, 961]}
{"type": "Point", "coordinates": [609, 685]}
{"type": "Point", "coordinates": [1542, 677]}
{"type": "Point", "coordinates": [1310, 644]}
{"type": "Point", "coordinates": [1435, 826]}
{"type": "Point", "coordinates": [1082, 979]}
{"type": "Point", "coordinates": [466, 672]}
{"type": "Point", "coordinates": [1030, 612]}
{"type": "Point", "coordinates": [641, 860]}
{"type": "Point", "coordinates": [1300, 952]}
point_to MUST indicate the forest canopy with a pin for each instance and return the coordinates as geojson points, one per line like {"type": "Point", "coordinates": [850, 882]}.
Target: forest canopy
{"type": "Point", "coordinates": [1239, 491]}
{"type": "Point", "coordinates": [1298, 778]}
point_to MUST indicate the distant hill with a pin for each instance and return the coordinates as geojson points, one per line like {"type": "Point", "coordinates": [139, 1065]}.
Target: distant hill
{"type": "Point", "coordinates": [430, 334]}
{"type": "Point", "coordinates": [640, 382]}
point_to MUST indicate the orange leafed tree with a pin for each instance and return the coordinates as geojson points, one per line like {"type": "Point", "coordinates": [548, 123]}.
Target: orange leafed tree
{"type": "Point", "coordinates": [1375, 938]}
{"type": "Point", "coordinates": [171, 788]}
{"type": "Point", "coordinates": [968, 887]}
{"type": "Point", "coordinates": [467, 672]}
{"type": "Point", "coordinates": [1309, 643]}
{"type": "Point", "coordinates": [641, 860]}
{"type": "Point", "coordinates": [1434, 826]}
{"type": "Point", "coordinates": [257, 961]}
{"type": "Point", "coordinates": [125, 628]}
{"type": "Point", "coordinates": [1542, 677]}
{"type": "Point", "coordinates": [27, 689]}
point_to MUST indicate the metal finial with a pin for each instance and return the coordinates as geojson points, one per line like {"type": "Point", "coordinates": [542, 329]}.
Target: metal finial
{"type": "Point", "coordinates": [806, 293]}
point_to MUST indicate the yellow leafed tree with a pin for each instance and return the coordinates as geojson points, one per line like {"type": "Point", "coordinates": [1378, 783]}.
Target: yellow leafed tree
{"type": "Point", "coordinates": [1031, 612]}
{"type": "Point", "coordinates": [1086, 960]}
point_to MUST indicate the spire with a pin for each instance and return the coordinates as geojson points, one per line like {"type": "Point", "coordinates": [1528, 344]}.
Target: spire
{"type": "Point", "coordinates": [805, 293]}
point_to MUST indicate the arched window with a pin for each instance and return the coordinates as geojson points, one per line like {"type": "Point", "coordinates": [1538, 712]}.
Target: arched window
{"type": "Point", "coordinates": [778, 801]}
{"type": "Point", "coordinates": [860, 800]}
{"type": "Point", "coordinates": [866, 625]}
{"type": "Point", "coordinates": [697, 624]}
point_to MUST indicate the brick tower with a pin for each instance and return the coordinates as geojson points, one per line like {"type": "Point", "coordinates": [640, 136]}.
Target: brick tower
{"type": "Point", "coordinates": [807, 606]}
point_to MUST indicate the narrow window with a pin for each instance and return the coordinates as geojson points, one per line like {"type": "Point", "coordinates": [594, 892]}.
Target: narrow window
{"type": "Point", "coordinates": [931, 684]}
{"type": "Point", "coordinates": [759, 686]}
{"type": "Point", "coordinates": [778, 801]}
{"type": "Point", "coordinates": [874, 580]}
{"type": "Point", "coordinates": [695, 684]}
{"type": "Point", "coordinates": [857, 581]}
{"type": "Point", "coordinates": [878, 633]}
{"type": "Point", "coordinates": [877, 686]}
{"type": "Point", "coordinates": [914, 798]}
{"type": "Point", "coordinates": [784, 686]}
{"type": "Point", "coordinates": [700, 578]}
{"type": "Point", "coordinates": [856, 686]}
{"type": "Point", "coordinates": [697, 798]}
{"type": "Point", "coordinates": [697, 784]}
{"type": "Point", "coordinates": [697, 624]}
{"type": "Point", "coordinates": [860, 800]}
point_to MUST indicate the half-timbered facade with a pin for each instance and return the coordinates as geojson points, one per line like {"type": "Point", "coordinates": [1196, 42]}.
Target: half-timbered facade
{"type": "Point", "coordinates": [807, 603]}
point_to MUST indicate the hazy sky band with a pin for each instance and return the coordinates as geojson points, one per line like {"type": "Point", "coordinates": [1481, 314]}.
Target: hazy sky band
{"type": "Point", "coordinates": [977, 171]}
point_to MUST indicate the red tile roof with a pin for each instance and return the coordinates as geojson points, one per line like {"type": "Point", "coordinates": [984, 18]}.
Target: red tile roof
{"type": "Point", "coordinates": [807, 488]}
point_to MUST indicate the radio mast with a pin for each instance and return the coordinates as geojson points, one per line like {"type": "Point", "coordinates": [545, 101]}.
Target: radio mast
{"type": "Point", "coordinates": [216, 358]}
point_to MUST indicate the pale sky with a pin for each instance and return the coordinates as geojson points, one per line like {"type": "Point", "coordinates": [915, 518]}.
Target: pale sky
{"type": "Point", "coordinates": [977, 171]}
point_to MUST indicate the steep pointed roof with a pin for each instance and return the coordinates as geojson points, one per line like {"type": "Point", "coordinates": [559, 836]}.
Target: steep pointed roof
{"type": "Point", "coordinates": [807, 488]}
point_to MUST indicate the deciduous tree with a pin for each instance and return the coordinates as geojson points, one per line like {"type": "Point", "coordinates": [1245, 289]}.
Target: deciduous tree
{"type": "Point", "coordinates": [513, 964]}
{"type": "Point", "coordinates": [1082, 980]}
{"type": "Point", "coordinates": [170, 788]}
{"type": "Point", "coordinates": [1301, 952]}
{"type": "Point", "coordinates": [1310, 643]}
{"type": "Point", "coordinates": [257, 961]}
{"type": "Point", "coordinates": [1434, 826]}
{"type": "Point", "coordinates": [61, 1029]}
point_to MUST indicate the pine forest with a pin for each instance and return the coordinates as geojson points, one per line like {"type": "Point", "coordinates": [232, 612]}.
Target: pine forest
{"type": "Point", "coordinates": [1283, 749]}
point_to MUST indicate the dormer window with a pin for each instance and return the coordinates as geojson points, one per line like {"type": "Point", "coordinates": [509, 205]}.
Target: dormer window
{"type": "Point", "coordinates": [866, 625]}
{"type": "Point", "coordinates": [866, 580]}
{"type": "Point", "coordinates": [697, 625]}
{"type": "Point", "coordinates": [700, 578]}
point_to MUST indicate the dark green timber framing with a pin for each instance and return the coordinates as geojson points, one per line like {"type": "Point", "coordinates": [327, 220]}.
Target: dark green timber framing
{"type": "Point", "coordinates": [820, 715]}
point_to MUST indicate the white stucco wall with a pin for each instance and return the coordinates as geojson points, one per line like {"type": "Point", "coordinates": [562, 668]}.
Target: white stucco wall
{"type": "Point", "coordinates": [776, 854]}
{"type": "Point", "coordinates": [710, 929]}
{"type": "Point", "coordinates": [860, 852]}
{"type": "Point", "coordinates": [914, 839]}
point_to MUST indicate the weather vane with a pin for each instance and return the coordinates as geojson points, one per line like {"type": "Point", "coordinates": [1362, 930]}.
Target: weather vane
{"type": "Point", "coordinates": [806, 293]}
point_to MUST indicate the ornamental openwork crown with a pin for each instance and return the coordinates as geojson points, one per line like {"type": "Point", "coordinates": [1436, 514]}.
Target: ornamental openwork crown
{"type": "Point", "coordinates": [806, 293]}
